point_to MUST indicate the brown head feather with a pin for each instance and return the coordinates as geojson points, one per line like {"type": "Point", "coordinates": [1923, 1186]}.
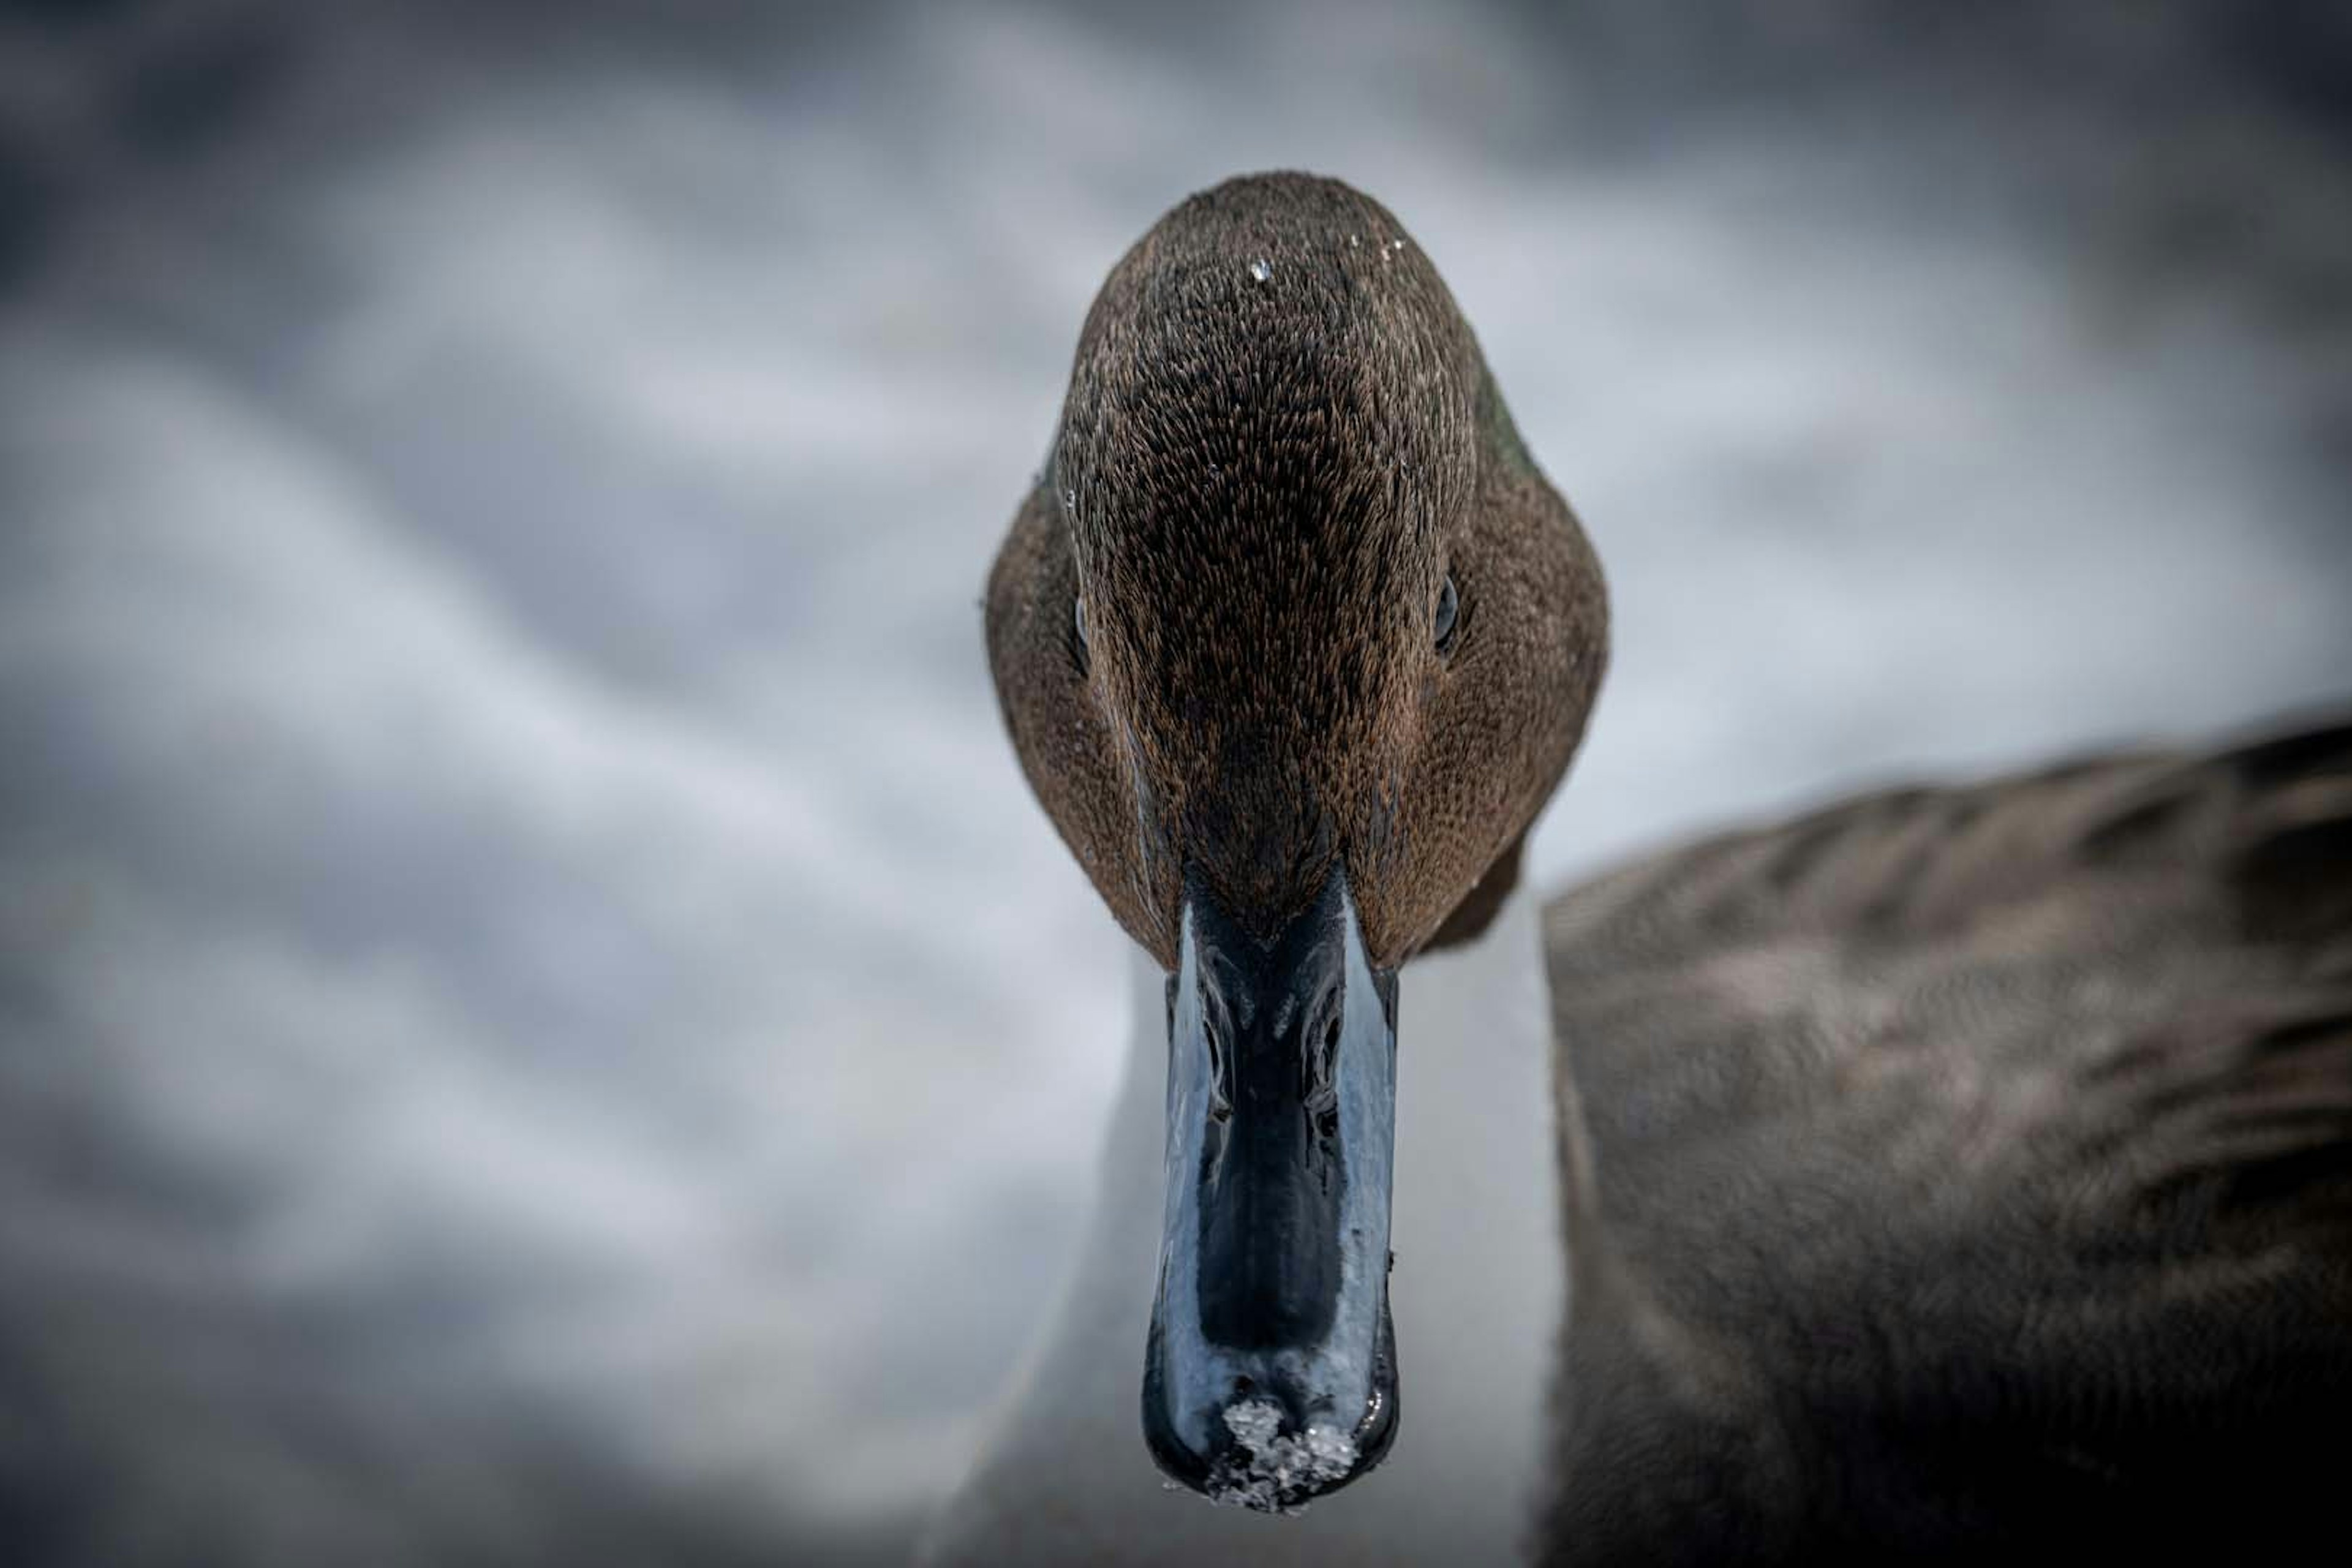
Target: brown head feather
{"type": "Point", "coordinates": [1280, 439]}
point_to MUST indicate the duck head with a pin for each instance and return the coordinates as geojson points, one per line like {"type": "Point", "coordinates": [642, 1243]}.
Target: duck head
{"type": "Point", "coordinates": [1293, 641]}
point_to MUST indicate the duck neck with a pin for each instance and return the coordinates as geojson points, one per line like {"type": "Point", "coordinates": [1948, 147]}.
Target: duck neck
{"type": "Point", "coordinates": [1478, 1293]}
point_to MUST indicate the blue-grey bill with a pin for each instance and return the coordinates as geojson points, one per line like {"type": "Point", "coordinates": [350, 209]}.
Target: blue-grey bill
{"type": "Point", "coordinates": [1270, 1375]}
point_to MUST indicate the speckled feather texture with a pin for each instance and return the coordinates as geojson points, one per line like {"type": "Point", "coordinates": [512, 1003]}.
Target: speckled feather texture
{"type": "Point", "coordinates": [1967, 1170]}
{"type": "Point", "coordinates": [1280, 439]}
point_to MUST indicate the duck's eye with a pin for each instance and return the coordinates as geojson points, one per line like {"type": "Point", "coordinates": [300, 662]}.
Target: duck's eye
{"type": "Point", "coordinates": [1449, 612]}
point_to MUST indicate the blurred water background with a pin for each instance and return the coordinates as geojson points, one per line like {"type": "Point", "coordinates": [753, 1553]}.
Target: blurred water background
{"type": "Point", "coordinates": [537, 1020]}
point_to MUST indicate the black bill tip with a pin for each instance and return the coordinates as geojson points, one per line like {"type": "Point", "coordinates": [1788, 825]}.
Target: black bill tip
{"type": "Point", "coordinates": [1269, 1449]}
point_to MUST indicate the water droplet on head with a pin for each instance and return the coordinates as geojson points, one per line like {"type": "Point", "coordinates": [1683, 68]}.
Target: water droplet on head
{"type": "Point", "coordinates": [1070, 500]}
{"type": "Point", "coordinates": [1261, 270]}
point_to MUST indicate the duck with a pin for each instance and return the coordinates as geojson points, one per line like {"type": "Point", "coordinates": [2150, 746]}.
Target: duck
{"type": "Point", "coordinates": [1954, 1169]}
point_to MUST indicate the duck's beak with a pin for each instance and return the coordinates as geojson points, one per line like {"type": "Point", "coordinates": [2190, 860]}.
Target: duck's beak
{"type": "Point", "coordinates": [1270, 1376]}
